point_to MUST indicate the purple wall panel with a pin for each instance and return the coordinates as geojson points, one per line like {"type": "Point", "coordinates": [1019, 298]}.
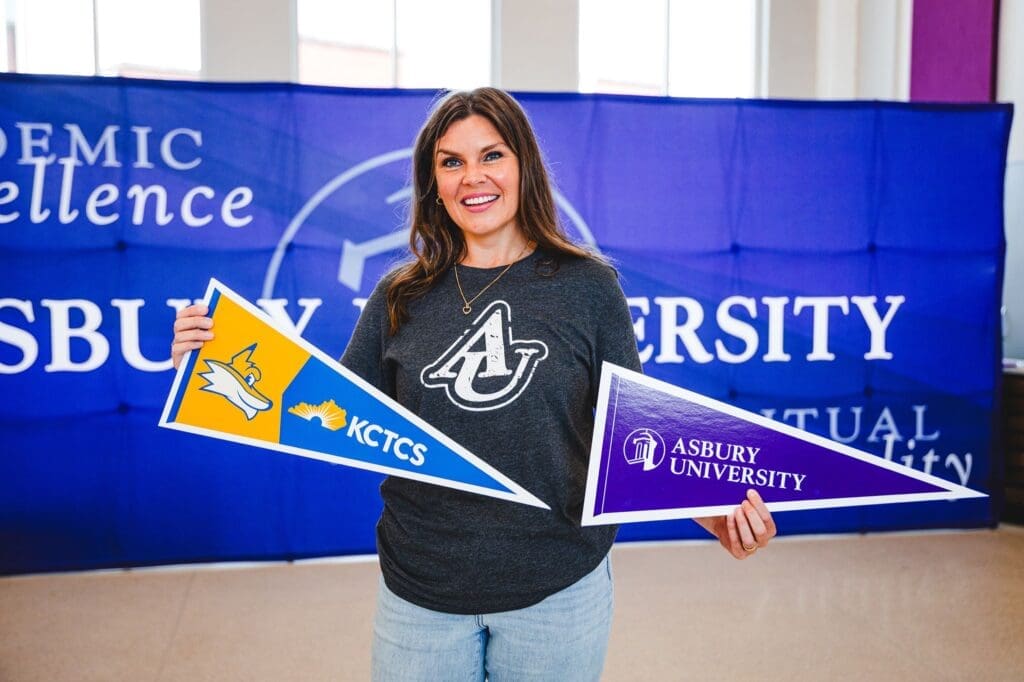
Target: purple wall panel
{"type": "Point", "coordinates": [952, 48]}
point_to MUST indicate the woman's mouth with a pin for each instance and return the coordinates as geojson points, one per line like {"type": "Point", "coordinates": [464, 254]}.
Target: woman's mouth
{"type": "Point", "coordinates": [479, 202]}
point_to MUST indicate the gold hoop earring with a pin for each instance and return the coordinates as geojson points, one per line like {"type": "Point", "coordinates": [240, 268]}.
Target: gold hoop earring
{"type": "Point", "coordinates": [437, 200]}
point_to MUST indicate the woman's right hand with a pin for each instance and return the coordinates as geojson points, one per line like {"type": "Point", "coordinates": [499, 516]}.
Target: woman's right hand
{"type": "Point", "coordinates": [191, 330]}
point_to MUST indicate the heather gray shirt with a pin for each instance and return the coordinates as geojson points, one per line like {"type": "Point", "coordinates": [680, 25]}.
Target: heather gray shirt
{"type": "Point", "coordinates": [515, 382]}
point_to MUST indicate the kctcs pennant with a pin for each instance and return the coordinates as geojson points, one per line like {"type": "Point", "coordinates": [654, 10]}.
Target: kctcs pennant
{"type": "Point", "coordinates": [662, 452]}
{"type": "Point", "coordinates": [259, 385]}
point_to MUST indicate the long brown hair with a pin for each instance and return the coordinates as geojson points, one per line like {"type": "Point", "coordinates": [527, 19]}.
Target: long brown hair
{"type": "Point", "coordinates": [435, 240]}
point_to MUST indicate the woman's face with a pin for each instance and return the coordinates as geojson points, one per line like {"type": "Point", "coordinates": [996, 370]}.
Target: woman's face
{"type": "Point", "coordinates": [477, 178]}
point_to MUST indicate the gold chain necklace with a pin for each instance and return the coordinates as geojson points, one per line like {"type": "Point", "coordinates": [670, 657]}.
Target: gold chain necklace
{"type": "Point", "coordinates": [467, 304]}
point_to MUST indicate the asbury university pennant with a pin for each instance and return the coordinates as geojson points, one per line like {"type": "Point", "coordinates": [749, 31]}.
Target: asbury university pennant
{"type": "Point", "coordinates": [259, 385]}
{"type": "Point", "coordinates": [662, 452]}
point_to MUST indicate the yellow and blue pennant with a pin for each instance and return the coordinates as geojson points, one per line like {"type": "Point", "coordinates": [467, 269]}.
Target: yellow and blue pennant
{"type": "Point", "coordinates": [260, 385]}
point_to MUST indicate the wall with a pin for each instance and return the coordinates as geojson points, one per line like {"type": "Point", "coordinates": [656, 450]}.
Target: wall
{"type": "Point", "coordinates": [537, 47]}
{"type": "Point", "coordinates": [255, 40]}
{"type": "Point", "coordinates": [883, 50]}
{"type": "Point", "coordinates": [829, 49]}
{"type": "Point", "coordinates": [249, 40]}
{"type": "Point", "coordinates": [814, 48]}
{"type": "Point", "coordinates": [952, 56]}
{"type": "Point", "coordinates": [838, 49]}
{"type": "Point", "coordinates": [792, 48]}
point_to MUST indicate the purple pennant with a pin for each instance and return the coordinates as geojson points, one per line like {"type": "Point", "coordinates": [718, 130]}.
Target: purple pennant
{"type": "Point", "coordinates": [662, 452]}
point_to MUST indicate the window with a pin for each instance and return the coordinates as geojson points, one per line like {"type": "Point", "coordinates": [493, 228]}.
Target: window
{"type": "Point", "coordinates": [346, 42]}
{"type": "Point", "coordinates": [712, 48]}
{"type": "Point", "coordinates": [444, 43]}
{"type": "Point", "coordinates": [402, 43]}
{"type": "Point", "coordinates": [622, 46]}
{"type": "Point", "coordinates": [153, 39]}
{"type": "Point", "coordinates": [683, 48]}
{"type": "Point", "coordinates": [42, 45]}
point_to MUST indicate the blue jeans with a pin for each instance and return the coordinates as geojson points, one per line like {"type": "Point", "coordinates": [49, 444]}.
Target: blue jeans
{"type": "Point", "coordinates": [563, 638]}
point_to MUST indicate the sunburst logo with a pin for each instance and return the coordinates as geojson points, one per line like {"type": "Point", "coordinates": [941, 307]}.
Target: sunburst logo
{"type": "Point", "coordinates": [330, 415]}
{"type": "Point", "coordinates": [236, 381]}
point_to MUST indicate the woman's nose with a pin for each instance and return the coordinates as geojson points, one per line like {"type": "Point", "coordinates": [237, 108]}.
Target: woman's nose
{"type": "Point", "coordinates": [474, 175]}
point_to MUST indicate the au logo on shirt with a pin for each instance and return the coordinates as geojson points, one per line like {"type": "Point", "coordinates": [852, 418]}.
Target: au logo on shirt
{"type": "Point", "coordinates": [486, 368]}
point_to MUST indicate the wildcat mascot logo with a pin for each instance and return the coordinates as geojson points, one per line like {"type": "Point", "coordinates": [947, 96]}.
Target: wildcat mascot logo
{"type": "Point", "coordinates": [474, 371]}
{"type": "Point", "coordinates": [236, 381]}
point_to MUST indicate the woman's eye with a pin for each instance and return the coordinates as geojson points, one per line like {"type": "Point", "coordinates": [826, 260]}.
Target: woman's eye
{"type": "Point", "coordinates": [491, 156]}
{"type": "Point", "coordinates": [450, 162]}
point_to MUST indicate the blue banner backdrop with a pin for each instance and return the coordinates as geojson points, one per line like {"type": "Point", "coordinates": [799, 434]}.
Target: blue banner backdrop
{"type": "Point", "coordinates": [833, 265]}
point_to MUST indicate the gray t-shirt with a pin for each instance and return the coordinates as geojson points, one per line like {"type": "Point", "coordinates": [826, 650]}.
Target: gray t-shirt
{"type": "Point", "coordinates": [515, 382]}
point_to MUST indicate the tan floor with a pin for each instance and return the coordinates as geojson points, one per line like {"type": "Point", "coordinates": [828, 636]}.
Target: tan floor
{"type": "Point", "coordinates": [934, 606]}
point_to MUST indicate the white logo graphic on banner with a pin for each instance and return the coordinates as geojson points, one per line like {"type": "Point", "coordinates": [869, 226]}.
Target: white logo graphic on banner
{"type": "Point", "coordinates": [475, 371]}
{"type": "Point", "coordinates": [644, 446]}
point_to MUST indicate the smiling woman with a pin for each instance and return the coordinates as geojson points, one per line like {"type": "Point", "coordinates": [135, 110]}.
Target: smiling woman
{"type": "Point", "coordinates": [471, 586]}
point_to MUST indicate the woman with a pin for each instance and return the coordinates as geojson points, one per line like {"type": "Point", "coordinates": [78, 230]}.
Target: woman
{"type": "Point", "coordinates": [495, 333]}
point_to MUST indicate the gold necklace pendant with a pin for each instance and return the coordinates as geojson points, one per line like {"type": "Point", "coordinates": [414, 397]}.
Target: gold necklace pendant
{"type": "Point", "coordinates": [467, 306]}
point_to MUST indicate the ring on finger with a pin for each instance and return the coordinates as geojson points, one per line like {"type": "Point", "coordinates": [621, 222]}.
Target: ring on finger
{"type": "Point", "coordinates": [749, 549]}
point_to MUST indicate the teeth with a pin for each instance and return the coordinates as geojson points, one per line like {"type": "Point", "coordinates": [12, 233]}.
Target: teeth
{"type": "Point", "coordinates": [475, 201]}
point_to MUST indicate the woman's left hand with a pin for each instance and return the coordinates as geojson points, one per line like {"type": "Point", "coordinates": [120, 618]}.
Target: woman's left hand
{"type": "Point", "coordinates": [748, 528]}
